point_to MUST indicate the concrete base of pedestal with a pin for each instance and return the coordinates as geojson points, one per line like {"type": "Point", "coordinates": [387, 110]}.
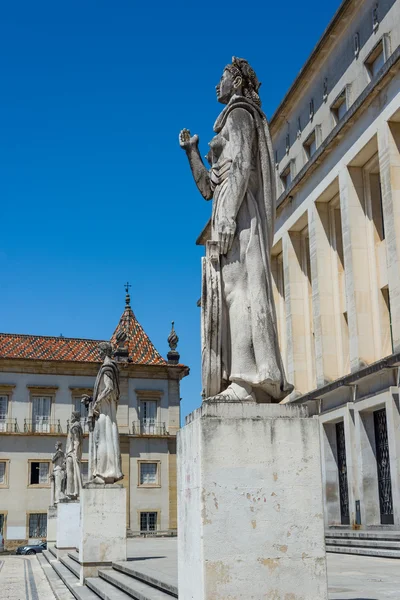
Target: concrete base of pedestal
{"type": "Point", "coordinates": [103, 527]}
{"type": "Point", "coordinates": [250, 507]}
{"type": "Point", "coordinates": [52, 524]}
{"type": "Point", "coordinates": [68, 526]}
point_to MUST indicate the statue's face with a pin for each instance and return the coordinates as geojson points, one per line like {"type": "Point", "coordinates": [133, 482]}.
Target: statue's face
{"type": "Point", "coordinates": [225, 88]}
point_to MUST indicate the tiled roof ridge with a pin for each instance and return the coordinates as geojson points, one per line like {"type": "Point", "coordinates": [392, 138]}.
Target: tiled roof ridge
{"type": "Point", "coordinates": [51, 337]}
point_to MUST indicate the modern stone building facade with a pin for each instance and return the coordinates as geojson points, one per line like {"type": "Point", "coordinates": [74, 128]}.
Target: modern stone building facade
{"type": "Point", "coordinates": [336, 256]}
{"type": "Point", "coordinates": [41, 383]}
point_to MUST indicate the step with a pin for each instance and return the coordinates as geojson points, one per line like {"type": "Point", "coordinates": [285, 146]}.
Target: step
{"type": "Point", "coordinates": [105, 590]}
{"type": "Point", "coordinates": [60, 590]}
{"type": "Point", "coordinates": [80, 592]}
{"type": "Point", "coordinates": [363, 543]}
{"type": "Point", "coordinates": [133, 587]}
{"type": "Point", "coordinates": [52, 550]}
{"type": "Point", "coordinates": [370, 535]}
{"type": "Point", "coordinates": [71, 565]}
{"type": "Point", "coordinates": [75, 556]}
{"type": "Point", "coordinates": [363, 551]}
{"type": "Point", "coordinates": [164, 582]}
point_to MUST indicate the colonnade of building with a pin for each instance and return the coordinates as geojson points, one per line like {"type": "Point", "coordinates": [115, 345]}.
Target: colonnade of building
{"type": "Point", "coordinates": [336, 274]}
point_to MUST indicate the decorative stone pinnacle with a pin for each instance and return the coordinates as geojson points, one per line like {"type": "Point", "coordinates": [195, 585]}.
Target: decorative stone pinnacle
{"type": "Point", "coordinates": [173, 339]}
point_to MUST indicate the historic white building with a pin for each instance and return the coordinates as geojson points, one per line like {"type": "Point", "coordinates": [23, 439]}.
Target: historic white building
{"type": "Point", "coordinates": [336, 256]}
{"type": "Point", "coordinates": [42, 380]}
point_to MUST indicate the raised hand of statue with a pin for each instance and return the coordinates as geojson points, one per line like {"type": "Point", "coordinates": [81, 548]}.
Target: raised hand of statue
{"type": "Point", "coordinates": [226, 230]}
{"type": "Point", "coordinates": [188, 142]}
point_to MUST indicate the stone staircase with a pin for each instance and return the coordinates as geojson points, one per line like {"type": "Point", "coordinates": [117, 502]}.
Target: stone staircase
{"type": "Point", "coordinates": [367, 543]}
{"type": "Point", "coordinates": [123, 581]}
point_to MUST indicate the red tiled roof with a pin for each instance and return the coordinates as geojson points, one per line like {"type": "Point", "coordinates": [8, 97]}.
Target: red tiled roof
{"type": "Point", "coordinates": [37, 347]}
{"type": "Point", "coordinates": [40, 347]}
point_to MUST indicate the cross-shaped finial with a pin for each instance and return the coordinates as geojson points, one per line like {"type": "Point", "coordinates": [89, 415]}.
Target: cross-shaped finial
{"type": "Point", "coordinates": [127, 286]}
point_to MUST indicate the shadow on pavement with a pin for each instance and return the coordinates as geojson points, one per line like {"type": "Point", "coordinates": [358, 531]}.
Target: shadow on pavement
{"type": "Point", "coordinates": [151, 557]}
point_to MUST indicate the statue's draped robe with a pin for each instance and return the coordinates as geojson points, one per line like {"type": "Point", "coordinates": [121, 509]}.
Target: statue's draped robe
{"type": "Point", "coordinates": [73, 461]}
{"type": "Point", "coordinates": [106, 460]}
{"type": "Point", "coordinates": [58, 475]}
{"type": "Point", "coordinates": [240, 341]}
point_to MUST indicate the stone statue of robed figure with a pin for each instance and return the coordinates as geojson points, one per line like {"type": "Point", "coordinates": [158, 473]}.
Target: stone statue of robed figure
{"type": "Point", "coordinates": [58, 475]}
{"type": "Point", "coordinates": [241, 359]}
{"type": "Point", "coordinates": [73, 458]}
{"type": "Point", "coordinates": [104, 450]}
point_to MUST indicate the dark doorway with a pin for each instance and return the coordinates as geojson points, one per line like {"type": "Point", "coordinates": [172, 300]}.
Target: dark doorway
{"type": "Point", "coordinates": [342, 468]}
{"type": "Point", "coordinates": [383, 466]}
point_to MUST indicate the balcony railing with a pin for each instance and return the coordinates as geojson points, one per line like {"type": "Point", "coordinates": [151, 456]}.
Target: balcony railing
{"type": "Point", "coordinates": [42, 426]}
{"type": "Point", "coordinates": [148, 427]}
{"type": "Point", "coordinates": [9, 426]}
{"type": "Point", "coordinates": [84, 424]}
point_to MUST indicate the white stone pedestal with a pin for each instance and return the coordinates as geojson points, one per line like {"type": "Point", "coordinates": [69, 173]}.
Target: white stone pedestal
{"type": "Point", "coordinates": [103, 527]}
{"type": "Point", "coordinates": [250, 508]}
{"type": "Point", "coordinates": [52, 524]}
{"type": "Point", "coordinates": [68, 526]}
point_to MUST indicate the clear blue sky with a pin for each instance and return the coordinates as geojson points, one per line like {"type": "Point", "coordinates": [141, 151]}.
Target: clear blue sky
{"type": "Point", "coordinates": [94, 188]}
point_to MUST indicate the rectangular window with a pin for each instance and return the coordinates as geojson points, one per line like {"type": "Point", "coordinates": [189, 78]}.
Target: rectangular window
{"type": "Point", "coordinates": [2, 519]}
{"type": "Point", "coordinates": [38, 525]}
{"type": "Point", "coordinates": [41, 410]}
{"type": "Point", "coordinates": [148, 416]}
{"type": "Point", "coordinates": [3, 412]}
{"type": "Point", "coordinates": [148, 473]}
{"type": "Point", "coordinates": [310, 145]}
{"type": "Point", "coordinates": [286, 178]}
{"type": "Point", "coordinates": [148, 521]}
{"type": "Point", "coordinates": [376, 60]}
{"type": "Point", "coordinates": [379, 55]}
{"type": "Point", "coordinates": [85, 471]}
{"type": "Point", "coordinates": [39, 473]}
{"type": "Point", "coordinates": [3, 472]}
{"type": "Point", "coordinates": [339, 106]}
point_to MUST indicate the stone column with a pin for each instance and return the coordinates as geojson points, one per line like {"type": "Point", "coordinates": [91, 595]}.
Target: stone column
{"type": "Point", "coordinates": [250, 506]}
{"type": "Point", "coordinates": [330, 474]}
{"type": "Point", "coordinates": [393, 427]}
{"type": "Point", "coordinates": [369, 494]}
{"type": "Point", "coordinates": [103, 527]}
{"type": "Point", "coordinates": [326, 363]}
{"type": "Point", "coordinates": [389, 166]}
{"type": "Point", "coordinates": [356, 258]}
{"type": "Point", "coordinates": [296, 323]}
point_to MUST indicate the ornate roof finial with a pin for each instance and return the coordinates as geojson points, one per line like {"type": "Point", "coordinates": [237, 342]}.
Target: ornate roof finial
{"type": "Point", "coordinates": [127, 297]}
{"type": "Point", "coordinates": [173, 356]}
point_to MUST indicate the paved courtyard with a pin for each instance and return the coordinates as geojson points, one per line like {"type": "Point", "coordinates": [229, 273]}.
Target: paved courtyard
{"type": "Point", "coordinates": [350, 577]}
{"type": "Point", "coordinates": [22, 578]}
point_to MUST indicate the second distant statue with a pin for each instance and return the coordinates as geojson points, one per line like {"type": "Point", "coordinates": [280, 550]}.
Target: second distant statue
{"type": "Point", "coordinates": [73, 458]}
{"type": "Point", "coordinates": [104, 450]}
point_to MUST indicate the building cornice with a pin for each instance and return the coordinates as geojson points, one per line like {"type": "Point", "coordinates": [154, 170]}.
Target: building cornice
{"type": "Point", "coordinates": [387, 363]}
{"type": "Point", "coordinates": [53, 367]}
{"type": "Point", "coordinates": [314, 61]}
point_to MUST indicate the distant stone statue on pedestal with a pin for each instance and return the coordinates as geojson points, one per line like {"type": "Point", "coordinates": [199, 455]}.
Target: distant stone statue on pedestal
{"type": "Point", "coordinates": [104, 450]}
{"type": "Point", "coordinates": [57, 477]}
{"type": "Point", "coordinates": [73, 458]}
{"type": "Point", "coordinates": [241, 360]}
